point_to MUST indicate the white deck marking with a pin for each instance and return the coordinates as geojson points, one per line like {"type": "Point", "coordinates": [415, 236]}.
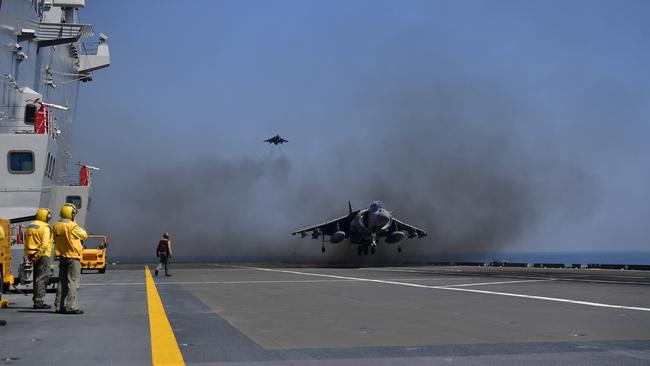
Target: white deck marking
{"type": "Point", "coordinates": [212, 282]}
{"type": "Point", "coordinates": [282, 281]}
{"type": "Point", "coordinates": [555, 299]}
{"type": "Point", "coordinates": [247, 282]}
{"type": "Point", "coordinates": [492, 274]}
{"type": "Point", "coordinates": [604, 281]}
{"type": "Point", "coordinates": [467, 276]}
{"type": "Point", "coordinates": [495, 283]}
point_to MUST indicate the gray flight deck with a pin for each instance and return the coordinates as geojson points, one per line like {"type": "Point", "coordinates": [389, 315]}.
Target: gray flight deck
{"type": "Point", "coordinates": [260, 314]}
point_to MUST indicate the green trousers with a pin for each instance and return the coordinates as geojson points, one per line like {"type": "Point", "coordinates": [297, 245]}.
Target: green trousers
{"type": "Point", "coordinates": [41, 276]}
{"type": "Point", "coordinates": [69, 276]}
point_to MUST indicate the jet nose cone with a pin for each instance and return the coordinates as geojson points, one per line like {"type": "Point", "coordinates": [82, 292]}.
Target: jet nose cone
{"type": "Point", "coordinates": [383, 218]}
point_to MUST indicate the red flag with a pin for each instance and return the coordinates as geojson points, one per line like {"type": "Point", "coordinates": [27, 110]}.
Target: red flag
{"type": "Point", "coordinates": [84, 177]}
{"type": "Point", "coordinates": [40, 122]}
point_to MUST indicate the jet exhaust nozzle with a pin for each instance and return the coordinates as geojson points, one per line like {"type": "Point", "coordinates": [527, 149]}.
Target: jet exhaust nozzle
{"type": "Point", "coordinates": [395, 237]}
{"type": "Point", "coordinates": [337, 237]}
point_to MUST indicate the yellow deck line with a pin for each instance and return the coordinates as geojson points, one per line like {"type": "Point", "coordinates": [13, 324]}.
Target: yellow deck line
{"type": "Point", "coordinates": [164, 348]}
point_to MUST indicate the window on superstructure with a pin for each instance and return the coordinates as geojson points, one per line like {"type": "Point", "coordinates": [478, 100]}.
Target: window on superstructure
{"type": "Point", "coordinates": [20, 162]}
{"type": "Point", "coordinates": [75, 200]}
{"type": "Point", "coordinates": [30, 114]}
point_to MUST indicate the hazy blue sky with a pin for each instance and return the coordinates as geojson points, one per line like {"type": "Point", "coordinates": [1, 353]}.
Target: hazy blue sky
{"type": "Point", "coordinates": [548, 97]}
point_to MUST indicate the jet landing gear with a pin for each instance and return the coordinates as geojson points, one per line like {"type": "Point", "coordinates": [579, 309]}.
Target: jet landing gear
{"type": "Point", "coordinates": [373, 244]}
{"type": "Point", "coordinates": [399, 248]}
{"type": "Point", "coordinates": [366, 249]}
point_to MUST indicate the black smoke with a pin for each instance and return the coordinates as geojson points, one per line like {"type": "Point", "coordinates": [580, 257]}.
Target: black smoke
{"type": "Point", "coordinates": [447, 158]}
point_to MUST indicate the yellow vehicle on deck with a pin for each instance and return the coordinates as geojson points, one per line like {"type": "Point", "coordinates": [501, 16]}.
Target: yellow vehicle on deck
{"type": "Point", "coordinates": [94, 258]}
{"type": "Point", "coordinates": [6, 279]}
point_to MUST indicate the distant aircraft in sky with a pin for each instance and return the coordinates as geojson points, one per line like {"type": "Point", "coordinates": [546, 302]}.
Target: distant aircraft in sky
{"type": "Point", "coordinates": [363, 228]}
{"type": "Point", "coordinates": [276, 140]}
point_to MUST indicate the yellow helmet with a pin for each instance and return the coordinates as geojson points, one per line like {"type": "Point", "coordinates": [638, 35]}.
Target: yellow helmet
{"type": "Point", "coordinates": [68, 211]}
{"type": "Point", "coordinates": [43, 214]}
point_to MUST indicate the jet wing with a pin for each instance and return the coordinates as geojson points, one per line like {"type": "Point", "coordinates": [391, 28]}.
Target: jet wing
{"type": "Point", "coordinates": [410, 230]}
{"type": "Point", "coordinates": [329, 227]}
{"type": "Point", "coordinates": [283, 140]}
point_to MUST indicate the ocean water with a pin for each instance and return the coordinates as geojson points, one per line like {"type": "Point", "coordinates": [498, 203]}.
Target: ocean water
{"type": "Point", "coordinates": [640, 257]}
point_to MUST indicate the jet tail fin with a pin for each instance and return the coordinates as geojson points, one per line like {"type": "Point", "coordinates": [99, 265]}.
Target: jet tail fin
{"type": "Point", "coordinates": [349, 207]}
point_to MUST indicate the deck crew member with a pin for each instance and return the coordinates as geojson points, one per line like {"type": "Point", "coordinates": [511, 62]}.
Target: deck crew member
{"type": "Point", "coordinates": [67, 240]}
{"type": "Point", "coordinates": [164, 252]}
{"type": "Point", "coordinates": [38, 248]}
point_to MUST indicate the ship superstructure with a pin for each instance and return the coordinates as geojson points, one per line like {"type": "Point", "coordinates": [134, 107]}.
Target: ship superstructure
{"type": "Point", "coordinates": [46, 53]}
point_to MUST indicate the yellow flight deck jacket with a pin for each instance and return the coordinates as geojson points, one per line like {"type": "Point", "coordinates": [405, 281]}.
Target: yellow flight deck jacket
{"type": "Point", "coordinates": [39, 239]}
{"type": "Point", "coordinates": [2, 233]}
{"type": "Point", "coordinates": [67, 239]}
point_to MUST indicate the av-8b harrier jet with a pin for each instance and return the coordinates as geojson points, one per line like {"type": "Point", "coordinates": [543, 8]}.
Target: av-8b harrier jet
{"type": "Point", "coordinates": [276, 140]}
{"type": "Point", "coordinates": [364, 228]}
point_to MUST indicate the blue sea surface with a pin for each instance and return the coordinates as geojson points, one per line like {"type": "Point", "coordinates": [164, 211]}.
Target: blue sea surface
{"type": "Point", "coordinates": [641, 257]}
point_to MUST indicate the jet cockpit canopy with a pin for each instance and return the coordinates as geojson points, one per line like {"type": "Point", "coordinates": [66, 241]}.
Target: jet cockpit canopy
{"type": "Point", "coordinates": [376, 205]}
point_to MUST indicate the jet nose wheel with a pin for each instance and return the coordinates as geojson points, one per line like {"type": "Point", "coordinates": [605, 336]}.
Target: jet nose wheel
{"type": "Point", "coordinates": [373, 248]}
{"type": "Point", "coordinates": [399, 249]}
{"type": "Point", "coordinates": [322, 249]}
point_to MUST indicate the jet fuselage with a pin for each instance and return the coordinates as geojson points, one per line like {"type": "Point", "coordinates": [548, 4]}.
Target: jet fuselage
{"type": "Point", "coordinates": [369, 223]}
